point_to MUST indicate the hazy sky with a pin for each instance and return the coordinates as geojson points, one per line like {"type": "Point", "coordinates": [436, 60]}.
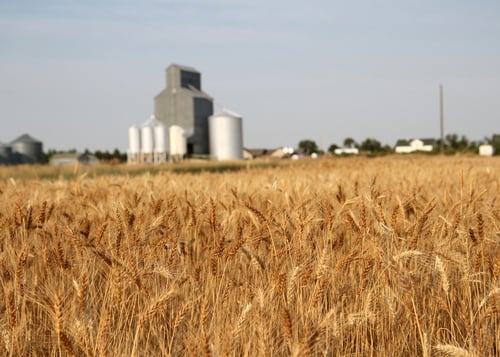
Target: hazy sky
{"type": "Point", "coordinates": [77, 74]}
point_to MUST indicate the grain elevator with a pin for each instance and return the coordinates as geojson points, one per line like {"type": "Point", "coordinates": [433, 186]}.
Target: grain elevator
{"type": "Point", "coordinates": [184, 104]}
{"type": "Point", "coordinates": [183, 124]}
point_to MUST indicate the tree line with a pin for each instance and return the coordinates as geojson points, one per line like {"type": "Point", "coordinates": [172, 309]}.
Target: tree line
{"type": "Point", "coordinates": [115, 156]}
{"type": "Point", "coordinates": [453, 143]}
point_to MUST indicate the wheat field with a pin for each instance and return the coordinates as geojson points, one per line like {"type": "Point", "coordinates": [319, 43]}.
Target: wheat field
{"type": "Point", "coordinates": [393, 256]}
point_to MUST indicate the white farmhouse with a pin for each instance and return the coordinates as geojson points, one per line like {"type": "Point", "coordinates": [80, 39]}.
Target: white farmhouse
{"type": "Point", "coordinates": [405, 146]}
{"type": "Point", "coordinates": [346, 151]}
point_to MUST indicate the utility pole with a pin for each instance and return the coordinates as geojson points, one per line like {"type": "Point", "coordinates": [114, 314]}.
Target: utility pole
{"type": "Point", "coordinates": [441, 116]}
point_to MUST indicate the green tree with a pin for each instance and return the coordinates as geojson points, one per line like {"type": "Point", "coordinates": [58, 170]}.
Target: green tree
{"type": "Point", "coordinates": [350, 143]}
{"type": "Point", "coordinates": [387, 148]}
{"type": "Point", "coordinates": [495, 142]}
{"type": "Point", "coordinates": [371, 145]}
{"type": "Point", "coordinates": [331, 148]}
{"type": "Point", "coordinates": [309, 146]}
{"type": "Point", "coordinates": [452, 141]}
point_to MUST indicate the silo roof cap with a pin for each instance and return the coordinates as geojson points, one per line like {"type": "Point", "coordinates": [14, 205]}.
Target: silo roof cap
{"type": "Point", "coordinates": [227, 113]}
{"type": "Point", "coordinates": [25, 138]}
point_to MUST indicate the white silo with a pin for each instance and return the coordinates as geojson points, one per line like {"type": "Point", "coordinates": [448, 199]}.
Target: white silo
{"type": "Point", "coordinates": [160, 143]}
{"type": "Point", "coordinates": [226, 136]}
{"type": "Point", "coordinates": [147, 143]}
{"type": "Point", "coordinates": [134, 144]}
{"type": "Point", "coordinates": [177, 140]}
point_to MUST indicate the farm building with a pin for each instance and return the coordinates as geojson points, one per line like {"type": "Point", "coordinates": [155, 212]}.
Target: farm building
{"type": "Point", "coordinates": [282, 152]}
{"type": "Point", "coordinates": [486, 150]}
{"type": "Point", "coordinates": [183, 124]}
{"type": "Point", "coordinates": [183, 103]}
{"type": "Point", "coordinates": [69, 159]}
{"type": "Point", "coordinates": [255, 153]}
{"type": "Point", "coordinates": [346, 151]}
{"type": "Point", "coordinates": [247, 154]}
{"type": "Point", "coordinates": [405, 146]}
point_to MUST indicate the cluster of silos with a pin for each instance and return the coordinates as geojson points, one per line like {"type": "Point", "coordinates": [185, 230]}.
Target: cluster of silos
{"type": "Point", "coordinates": [226, 136]}
{"type": "Point", "coordinates": [149, 143]}
{"type": "Point", "coordinates": [24, 150]}
{"type": "Point", "coordinates": [187, 111]}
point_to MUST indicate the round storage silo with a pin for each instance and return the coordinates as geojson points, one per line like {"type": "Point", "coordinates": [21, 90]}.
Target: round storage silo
{"type": "Point", "coordinates": [177, 139]}
{"type": "Point", "coordinates": [134, 140]}
{"type": "Point", "coordinates": [147, 140]}
{"type": "Point", "coordinates": [160, 138]}
{"type": "Point", "coordinates": [226, 136]}
{"type": "Point", "coordinates": [27, 149]}
{"type": "Point", "coordinates": [147, 143]}
{"type": "Point", "coordinates": [161, 143]}
{"type": "Point", "coordinates": [134, 144]}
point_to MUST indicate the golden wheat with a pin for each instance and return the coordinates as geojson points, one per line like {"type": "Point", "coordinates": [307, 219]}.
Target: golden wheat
{"type": "Point", "coordinates": [389, 256]}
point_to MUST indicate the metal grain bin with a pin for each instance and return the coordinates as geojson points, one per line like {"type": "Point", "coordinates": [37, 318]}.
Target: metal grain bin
{"type": "Point", "coordinates": [27, 149]}
{"type": "Point", "coordinates": [226, 136]}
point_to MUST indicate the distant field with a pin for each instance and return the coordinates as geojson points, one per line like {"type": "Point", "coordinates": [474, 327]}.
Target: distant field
{"type": "Point", "coordinates": [393, 256]}
{"type": "Point", "coordinates": [48, 172]}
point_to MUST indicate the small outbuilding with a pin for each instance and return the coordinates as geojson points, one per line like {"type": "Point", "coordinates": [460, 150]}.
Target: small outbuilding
{"type": "Point", "coordinates": [486, 150]}
{"type": "Point", "coordinates": [405, 146]}
{"type": "Point", "coordinates": [346, 151]}
{"type": "Point", "coordinates": [282, 152]}
{"type": "Point", "coordinates": [70, 159]}
{"type": "Point", "coordinates": [247, 154]}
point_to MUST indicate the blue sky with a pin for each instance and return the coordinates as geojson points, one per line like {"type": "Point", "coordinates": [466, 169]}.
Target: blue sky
{"type": "Point", "coordinates": [77, 74]}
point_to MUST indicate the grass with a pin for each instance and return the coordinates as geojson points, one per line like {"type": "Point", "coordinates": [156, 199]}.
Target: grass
{"type": "Point", "coordinates": [358, 256]}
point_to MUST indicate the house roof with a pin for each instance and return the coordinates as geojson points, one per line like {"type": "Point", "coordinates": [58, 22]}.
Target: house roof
{"type": "Point", "coordinates": [258, 152]}
{"type": "Point", "coordinates": [429, 141]}
{"type": "Point", "coordinates": [406, 142]}
{"type": "Point", "coordinates": [403, 142]}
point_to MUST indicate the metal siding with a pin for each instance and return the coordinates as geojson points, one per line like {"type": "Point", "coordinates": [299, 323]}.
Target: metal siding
{"type": "Point", "coordinates": [190, 78]}
{"type": "Point", "coordinates": [29, 152]}
{"type": "Point", "coordinates": [147, 140]}
{"type": "Point", "coordinates": [160, 133]}
{"type": "Point", "coordinates": [177, 141]}
{"type": "Point", "coordinates": [184, 107]}
{"type": "Point", "coordinates": [226, 137]}
{"type": "Point", "coordinates": [203, 108]}
{"type": "Point", "coordinates": [134, 139]}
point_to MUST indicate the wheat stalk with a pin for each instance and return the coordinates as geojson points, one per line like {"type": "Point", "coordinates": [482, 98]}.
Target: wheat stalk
{"type": "Point", "coordinates": [442, 273]}
{"type": "Point", "coordinates": [454, 351]}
